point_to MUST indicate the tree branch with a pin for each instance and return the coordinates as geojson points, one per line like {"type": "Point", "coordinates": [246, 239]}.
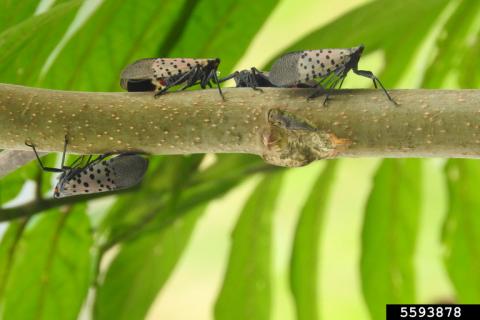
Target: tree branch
{"type": "Point", "coordinates": [280, 125]}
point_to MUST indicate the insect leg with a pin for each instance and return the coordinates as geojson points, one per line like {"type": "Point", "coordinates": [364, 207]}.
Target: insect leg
{"type": "Point", "coordinates": [252, 78]}
{"type": "Point", "coordinates": [370, 75]}
{"type": "Point", "coordinates": [194, 78]}
{"type": "Point", "coordinates": [159, 93]}
{"type": "Point", "coordinates": [255, 70]}
{"type": "Point", "coordinates": [206, 79]}
{"type": "Point", "coordinates": [214, 74]}
{"type": "Point", "coordinates": [185, 77]}
{"type": "Point", "coordinates": [321, 87]}
{"type": "Point", "coordinates": [331, 88]}
{"type": "Point", "coordinates": [79, 159]}
{"type": "Point", "coordinates": [170, 85]}
{"type": "Point", "coordinates": [106, 155]}
{"type": "Point", "coordinates": [64, 151]}
{"type": "Point", "coordinates": [319, 90]}
{"type": "Point", "coordinates": [327, 86]}
{"type": "Point", "coordinates": [88, 160]}
{"type": "Point", "coordinates": [341, 82]}
{"type": "Point", "coordinates": [191, 78]}
{"type": "Point", "coordinates": [231, 76]}
{"type": "Point", "coordinates": [48, 169]}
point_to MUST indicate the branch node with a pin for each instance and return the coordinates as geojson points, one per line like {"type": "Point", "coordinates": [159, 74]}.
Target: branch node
{"type": "Point", "coordinates": [292, 141]}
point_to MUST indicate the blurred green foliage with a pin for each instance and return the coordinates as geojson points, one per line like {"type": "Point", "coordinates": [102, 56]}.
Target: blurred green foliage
{"type": "Point", "coordinates": [127, 254]}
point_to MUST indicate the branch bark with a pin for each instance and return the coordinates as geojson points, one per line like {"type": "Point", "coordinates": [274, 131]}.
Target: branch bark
{"type": "Point", "coordinates": [280, 125]}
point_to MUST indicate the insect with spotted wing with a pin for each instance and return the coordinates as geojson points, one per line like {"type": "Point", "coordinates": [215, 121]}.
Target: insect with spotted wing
{"type": "Point", "coordinates": [328, 67]}
{"type": "Point", "coordinates": [161, 74]}
{"type": "Point", "coordinates": [257, 79]}
{"type": "Point", "coordinates": [99, 175]}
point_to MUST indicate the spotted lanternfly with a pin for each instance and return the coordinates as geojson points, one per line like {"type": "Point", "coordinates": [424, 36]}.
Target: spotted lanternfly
{"type": "Point", "coordinates": [328, 67]}
{"type": "Point", "coordinates": [252, 78]}
{"type": "Point", "coordinates": [161, 74]}
{"type": "Point", "coordinates": [99, 175]}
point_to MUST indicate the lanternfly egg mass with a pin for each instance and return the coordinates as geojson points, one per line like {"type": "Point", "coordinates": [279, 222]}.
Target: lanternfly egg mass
{"type": "Point", "coordinates": [105, 173]}
{"type": "Point", "coordinates": [327, 67]}
{"type": "Point", "coordinates": [161, 74]}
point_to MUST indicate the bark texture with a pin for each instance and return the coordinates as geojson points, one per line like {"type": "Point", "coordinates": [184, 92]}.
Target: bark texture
{"type": "Point", "coordinates": [280, 125]}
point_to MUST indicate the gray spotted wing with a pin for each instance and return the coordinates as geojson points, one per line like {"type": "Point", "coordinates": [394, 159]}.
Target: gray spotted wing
{"type": "Point", "coordinates": [164, 68]}
{"type": "Point", "coordinates": [120, 172]}
{"type": "Point", "coordinates": [139, 70]}
{"type": "Point", "coordinates": [304, 66]}
{"type": "Point", "coordinates": [314, 64]}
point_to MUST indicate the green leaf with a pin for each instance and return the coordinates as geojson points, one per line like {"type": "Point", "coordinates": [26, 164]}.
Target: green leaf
{"type": "Point", "coordinates": [160, 201]}
{"type": "Point", "coordinates": [8, 248]}
{"type": "Point", "coordinates": [461, 234]}
{"type": "Point", "coordinates": [246, 290]}
{"type": "Point", "coordinates": [13, 12]}
{"type": "Point", "coordinates": [376, 25]}
{"type": "Point", "coordinates": [141, 269]}
{"type": "Point", "coordinates": [467, 77]}
{"type": "Point", "coordinates": [304, 259]}
{"type": "Point", "coordinates": [25, 47]}
{"type": "Point", "coordinates": [225, 165]}
{"type": "Point", "coordinates": [389, 235]}
{"type": "Point", "coordinates": [202, 192]}
{"type": "Point", "coordinates": [50, 274]}
{"type": "Point", "coordinates": [12, 184]}
{"type": "Point", "coordinates": [164, 178]}
{"type": "Point", "coordinates": [453, 46]}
